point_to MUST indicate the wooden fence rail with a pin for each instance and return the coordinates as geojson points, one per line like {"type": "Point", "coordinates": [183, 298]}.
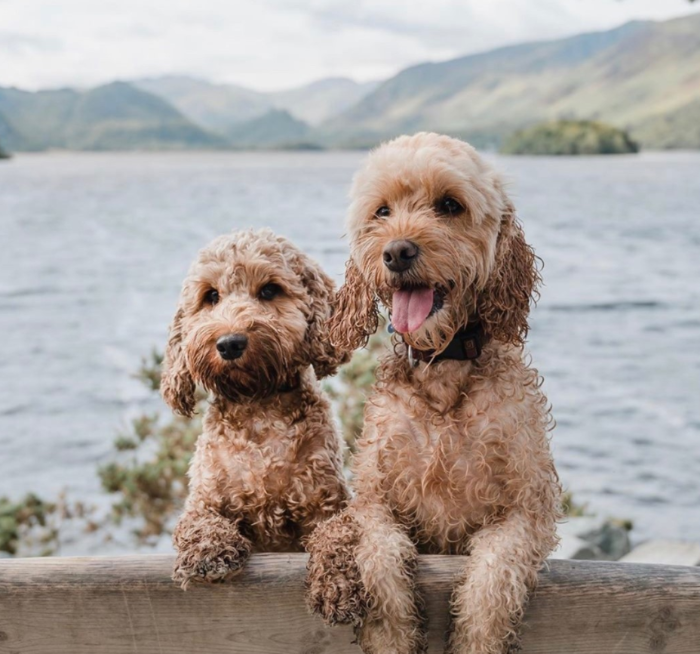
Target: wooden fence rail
{"type": "Point", "coordinates": [129, 605]}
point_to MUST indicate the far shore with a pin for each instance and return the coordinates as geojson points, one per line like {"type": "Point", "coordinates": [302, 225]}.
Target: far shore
{"type": "Point", "coordinates": [302, 151]}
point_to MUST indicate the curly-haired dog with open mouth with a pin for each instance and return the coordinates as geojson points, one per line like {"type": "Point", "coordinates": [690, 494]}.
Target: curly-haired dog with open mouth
{"type": "Point", "coordinates": [250, 328]}
{"type": "Point", "coordinates": [454, 458]}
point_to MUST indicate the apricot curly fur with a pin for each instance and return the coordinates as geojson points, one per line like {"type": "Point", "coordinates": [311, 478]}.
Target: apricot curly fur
{"type": "Point", "coordinates": [454, 457]}
{"type": "Point", "coordinates": [210, 548]}
{"type": "Point", "coordinates": [334, 588]}
{"type": "Point", "coordinates": [356, 299]}
{"type": "Point", "coordinates": [504, 305]}
{"type": "Point", "coordinates": [268, 465]}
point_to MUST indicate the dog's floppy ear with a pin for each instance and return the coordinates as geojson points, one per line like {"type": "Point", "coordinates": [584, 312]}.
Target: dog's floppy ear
{"type": "Point", "coordinates": [355, 312]}
{"type": "Point", "coordinates": [504, 304]}
{"type": "Point", "coordinates": [176, 384]}
{"type": "Point", "coordinates": [324, 358]}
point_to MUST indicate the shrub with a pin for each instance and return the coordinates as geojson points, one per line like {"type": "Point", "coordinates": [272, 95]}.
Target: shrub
{"type": "Point", "coordinates": [147, 476]}
{"type": "Point", "coordinates": [570, 137]}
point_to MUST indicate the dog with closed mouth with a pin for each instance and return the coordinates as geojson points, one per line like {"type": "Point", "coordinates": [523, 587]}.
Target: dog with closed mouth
{"type": "Point", "coordinates": [251, 329]}
{"type": "Point", "coordinates": [454, 457]}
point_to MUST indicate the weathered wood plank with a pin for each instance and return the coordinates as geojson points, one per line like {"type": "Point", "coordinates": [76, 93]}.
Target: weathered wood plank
{"type": "Point", "coordinates": [129, 606]}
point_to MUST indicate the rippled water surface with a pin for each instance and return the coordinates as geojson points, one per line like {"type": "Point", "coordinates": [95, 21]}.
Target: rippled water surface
{"type": "Point", "coordinates": [95, 247]}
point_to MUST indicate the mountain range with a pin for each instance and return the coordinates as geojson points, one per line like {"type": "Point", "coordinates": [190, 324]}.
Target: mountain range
{"type": "Point", "coordinates": [116, 116]}
{"type": "Point", "coordinates": [643, 77]}
{"type": "Point", "coordinates": [221, 107]}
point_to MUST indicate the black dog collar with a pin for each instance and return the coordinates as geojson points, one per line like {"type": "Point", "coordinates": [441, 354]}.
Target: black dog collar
{"type": "Point", "coordinates": [466, 345]}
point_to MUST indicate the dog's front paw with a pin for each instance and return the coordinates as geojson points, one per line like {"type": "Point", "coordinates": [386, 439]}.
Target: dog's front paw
{"type": "Point", "coordinates": [210, 567]}
{"type": "Point", "coordinates": [336, 592]}
{"type": "Point", "coordinates": [334, 586]}
{"type": "Point", "coordinates": [208, 550]}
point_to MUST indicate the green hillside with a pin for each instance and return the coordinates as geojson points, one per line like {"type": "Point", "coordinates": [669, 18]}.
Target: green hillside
{"type": "Point", "coordinates": [634, 77]}
{"type": "Point", "coordinates": [36, 121]}
{"type": "Point", "coordinates": [679, 128]}
{"type": "Point", "coordinates": [570, 137]}
{"type": "Point", "coordinates": [8, 137]}
{"type": "Point", "coordinates": [276, 129]}
{"type": "Point", "coordinates": [643, 78]}
{"type": "Point", "coordinates": [221, 108]}
{"type": "Point", "coordinates": [112, 117]}
{"type": "Point", "coordinates": [319, 101]}
{"type": "Point", "coordinates": [215, 107]}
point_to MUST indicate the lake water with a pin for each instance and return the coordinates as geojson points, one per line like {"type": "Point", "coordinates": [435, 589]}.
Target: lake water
{"type": "Point", "coordinates": [95, 247]}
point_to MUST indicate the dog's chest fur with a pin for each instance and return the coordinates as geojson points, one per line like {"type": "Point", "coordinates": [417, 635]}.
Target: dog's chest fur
{"type": "Point", "coordinates": [445, 464]}
{"type": "Point", "coordinates": [270, 474]}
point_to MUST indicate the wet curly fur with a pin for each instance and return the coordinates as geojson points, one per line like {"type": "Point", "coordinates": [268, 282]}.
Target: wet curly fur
{"type": "Point", "coordinates": [341, 597]}
{"type": "Point", "coordinates": [268, 466]}
{"type": "Point", "coordinates": [454, 457]}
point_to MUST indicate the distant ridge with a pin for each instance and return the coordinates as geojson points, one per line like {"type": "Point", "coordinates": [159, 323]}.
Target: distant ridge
{"type": "Point", "coordinates": [8, 137]}
{"type": "Point", "coordinates": [275, 129]}
{"type": "Point", "coordinates": [222, 107]}
{"type": "Point", "coordinates": [215, 107]}
{"type": "Point", "coordinates": [116, 116]}
{"type": "Point", "coordinates": [319, 101]}
{"type": "Point", "coordinates": [643, 77]}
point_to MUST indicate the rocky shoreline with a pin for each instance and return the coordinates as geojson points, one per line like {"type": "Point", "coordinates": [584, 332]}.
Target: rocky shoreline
{"type": "Point", "coordinates": [604, 539]}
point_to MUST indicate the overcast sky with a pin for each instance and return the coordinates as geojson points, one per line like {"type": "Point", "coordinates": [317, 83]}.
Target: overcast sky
{"type": "Point", "coordinates": [273, 44]}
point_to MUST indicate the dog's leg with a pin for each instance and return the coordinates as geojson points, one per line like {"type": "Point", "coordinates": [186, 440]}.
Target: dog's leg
{"type": "Point", "coordinates": [333, 586]}
{"type": "Point", "coordinates": [210, 547]}
{"type": "Point", "coordinates": [387, 561]}
{"type": "Point", "coordinates": [361, 569]}
{"type": "Point", "coordinates": [489, 601]}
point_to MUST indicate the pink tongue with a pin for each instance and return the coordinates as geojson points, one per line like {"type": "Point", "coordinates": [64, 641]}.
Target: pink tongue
{"type": "Point", "coordinates": [410, 309]}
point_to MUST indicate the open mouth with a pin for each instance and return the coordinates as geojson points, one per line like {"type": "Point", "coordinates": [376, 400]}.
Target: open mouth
{"type": "Point", "coordinates": [411, 306]}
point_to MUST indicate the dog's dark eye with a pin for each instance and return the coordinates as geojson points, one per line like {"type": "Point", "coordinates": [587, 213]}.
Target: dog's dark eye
{"type": "Point", "coordinates": [211, 297]}
{"type": "Point", "coordinates": [269, 292]}
{"type": "Point", "coordinates": [382, 212]}
{"type": "Point", "coordinates": [448, 206]}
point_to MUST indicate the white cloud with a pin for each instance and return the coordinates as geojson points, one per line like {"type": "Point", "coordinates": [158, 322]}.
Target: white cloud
{"type": "Point", "coordinates": [270, 44]}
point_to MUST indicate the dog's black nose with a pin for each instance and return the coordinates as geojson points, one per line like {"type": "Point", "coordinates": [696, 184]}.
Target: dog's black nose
{"type": "Point", "coordinates": [400, 255]}
{"type": "Point", "coordinates": [231, 346]}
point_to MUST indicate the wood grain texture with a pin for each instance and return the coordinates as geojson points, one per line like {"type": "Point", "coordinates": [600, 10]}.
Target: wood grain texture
{"type": "Point", "coordinates": [129, 605]}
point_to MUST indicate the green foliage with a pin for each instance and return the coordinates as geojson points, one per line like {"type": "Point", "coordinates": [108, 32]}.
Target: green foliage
{"type": "Point", "coordinates": [147, 476]}
{"type": "Point", "coordinates": [6, 136]}
{"type": "Point", "coordinates": [149, 473]}
{"type": "Point", "coordinates": [570, 137]}
{"type": "Point", "coordinates": [18, 518]}
{"type": "Point", "coordinates": [570, 508]}
{"type": "Point", "coordinates": [151, 489]}
{"type": "Point", "coordinates": [355, 381]}
{"type": "Point", "coordinates": [31, 525]}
